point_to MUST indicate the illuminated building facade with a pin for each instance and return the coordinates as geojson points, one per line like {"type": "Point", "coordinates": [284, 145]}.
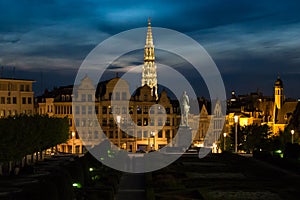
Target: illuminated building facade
{"type": "Point", "coordinates": [16, 97]}
{"type": "Point", "coordinates": [254, 108]}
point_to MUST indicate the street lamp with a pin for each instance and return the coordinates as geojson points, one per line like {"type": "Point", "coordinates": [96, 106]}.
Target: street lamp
{"type": "Point", "coordinates": [118, 122]}
{"type": "Point", "coordinates": [292, 132]}
{"type": "Point", "coordinates": [73, 143]}
{"type": "Point", "coordinates": [236, 120]}
{"type": "Point", "coordinates": [224, 147]}
{"type": "Point", "coordinates": [153, 135]}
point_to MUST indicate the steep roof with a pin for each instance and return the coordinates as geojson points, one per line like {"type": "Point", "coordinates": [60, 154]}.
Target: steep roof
{"type": "Point", "coordinates": [284, 114]}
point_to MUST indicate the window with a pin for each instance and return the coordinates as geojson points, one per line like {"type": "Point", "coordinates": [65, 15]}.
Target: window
{"type": "Point", "coordinates": [145, 135]}
{"type": "Point", "coordinates": [83, 122]}
{"type": "Point", "coordinates": [104, 122]}
{"type": "Point", "coordinates": [104, 109]}
{"type": "Point", "coordinates": [152, 122]}
{"type": "Point", "coordinates": [8, 100]}
{"type": "Point", "coordinates": [124, 96]}
{"type": "Point", "coordinates": [139, 122]}
{"type": "Point", "coordinates": [159, 135]}
{"type": "Point", "coordinates": [63, 98]}
{"type": "Point", "coordinates": [77, 122]}
{"type": "Point", "coordinates": [77, 149]}
{"type": "Point", "coordinates": [77, 110]}
{"type": "Point", "coordinates": [83, 97]}
{"type": "Point", "coordinates": [145, 123]}
{"type": "Point", "coordinates": [139, 110]}
{"type": "Point", "coordinates": [96, 110]}
{"type": "Point", "coordinates": [90, 98]}
{"type": "Point", "coordinates": [83, 110]}
{"type": "Point", "coordinates": [23, 100]}
{"type": "Point", "coordinates": [168, 122]}
{"type": "Point", "coordinates": [70, 121]}
{"type": "Point", "coordinates": [117, 96]}
{"type": "Point", "coordinates": [90, 110]}
{"type": "Point", "coordinates": [160, 110]}
{"type": "Point", "coordinates": [168, 135]}
{"type": "Point", "coordinates": [21, 87]}
{"type": "Point", "coordinates": [111, 122]}
{"type": "Point", "coordinates": [124, 109]}
{"type": "Point", "coordinates": [29, 100]}
{"type": "Point", "coordinates": [146, 109]}
{"type": "Point", "coordinates": [159, 123]}
{"type": "Point", "coordinates": [139, 134]}
{"type": "Point", "coordinates": [69, 148]}
{"type": "Point", "coordinates": [152, 110]}
{"type": "Point", "coordinates": [27, 88]}
{"type": "Point", "coordinates": [2, 100]}
{"type": "Point", "coordinates": [168, 110]}
{"type": "Point", "coordinates": [14, 100]}
{"type": "Point", "coordinates": [111, 134]}
{"type": "Point", "coordinates": [145, 97]}
{"type": "Point", "coordinates": [131, 110]}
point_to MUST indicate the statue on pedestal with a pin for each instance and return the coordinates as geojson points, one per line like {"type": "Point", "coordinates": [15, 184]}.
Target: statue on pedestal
{"type": "Point", "coordinates": [185, 108]}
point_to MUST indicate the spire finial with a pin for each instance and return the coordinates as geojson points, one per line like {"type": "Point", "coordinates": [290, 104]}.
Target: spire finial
{"type": "Point", "coordinates": [149, 21]}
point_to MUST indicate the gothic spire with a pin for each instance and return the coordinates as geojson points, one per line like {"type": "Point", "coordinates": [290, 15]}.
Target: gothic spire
{"type": "Point", "coordinates": [149, 76]}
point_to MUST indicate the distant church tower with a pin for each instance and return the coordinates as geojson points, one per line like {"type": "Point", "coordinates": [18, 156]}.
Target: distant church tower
{"type": "Point", "coordinates": [149, 76]}
{"type": "Point", "coordinates": [278, 93]}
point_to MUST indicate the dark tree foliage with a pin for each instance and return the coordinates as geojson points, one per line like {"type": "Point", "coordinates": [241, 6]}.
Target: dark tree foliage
{"type": "Point", "coordinates": [23, 135]}
{"type": "Point", "coordinates": [252, 137]}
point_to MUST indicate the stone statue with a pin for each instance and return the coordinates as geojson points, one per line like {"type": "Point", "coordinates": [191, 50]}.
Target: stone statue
{"type": "Point", "coordinates": [185, 107]}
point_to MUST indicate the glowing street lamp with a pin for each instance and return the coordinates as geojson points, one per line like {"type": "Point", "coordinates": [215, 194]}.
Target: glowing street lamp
{"type": "Point", "coordinates": [153, 135]}
{"type": "Point", "coordinates": [236, 120]}
{"type": "Point", "coordinates": [224, 134]}
{"type": "Point", "coordinates": [73, 143]}
{"type": "Point", "coordinates": [118, 122]}
{"type": "Point", "coordinates": [292, 132]}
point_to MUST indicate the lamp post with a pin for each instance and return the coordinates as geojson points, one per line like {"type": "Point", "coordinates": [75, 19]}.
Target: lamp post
{"type": "Point", "coordinates": [153, 135]}
{"type": "Point", "coordinates": [224, 147]}
{"type": "Point", "coordinates": [118, 123]}
{"type": "Point", "coordinates": [292, 132]}
{"type": "Point", "coordinates": [73, 138]}
{"type": "Point", "coordinates": [236, 120]}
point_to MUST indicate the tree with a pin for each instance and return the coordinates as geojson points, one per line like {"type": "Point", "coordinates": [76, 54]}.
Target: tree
{"type": "Point", "coordinates": [23, 135]}
{"type": "Point", "coordinates": [252, 137]}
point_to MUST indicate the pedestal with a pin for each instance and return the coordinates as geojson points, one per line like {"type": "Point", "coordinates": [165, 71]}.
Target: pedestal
{"type": "Point", "coordinates": [184, 136]}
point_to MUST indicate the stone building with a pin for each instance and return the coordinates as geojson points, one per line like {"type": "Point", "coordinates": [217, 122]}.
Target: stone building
{"type": "Point", "coordinates": [16, 97]}
{"type": "Point", "coordinates": [254, 108]}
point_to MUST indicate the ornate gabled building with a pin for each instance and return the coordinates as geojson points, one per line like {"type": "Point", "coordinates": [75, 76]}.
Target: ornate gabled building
{"type": "Point", "coordinates": [145, 123]}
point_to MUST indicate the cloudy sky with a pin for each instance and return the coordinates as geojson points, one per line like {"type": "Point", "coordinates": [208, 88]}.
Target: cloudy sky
{"type": "Point", "coordinates": [251, 42]}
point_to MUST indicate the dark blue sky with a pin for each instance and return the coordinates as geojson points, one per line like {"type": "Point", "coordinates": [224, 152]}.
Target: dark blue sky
{"type": "Point", "coordinates": [250, 41]}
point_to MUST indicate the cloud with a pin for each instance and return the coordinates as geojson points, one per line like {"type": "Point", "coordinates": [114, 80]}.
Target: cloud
{"type": "Point", "coordinates": [243, 37]}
